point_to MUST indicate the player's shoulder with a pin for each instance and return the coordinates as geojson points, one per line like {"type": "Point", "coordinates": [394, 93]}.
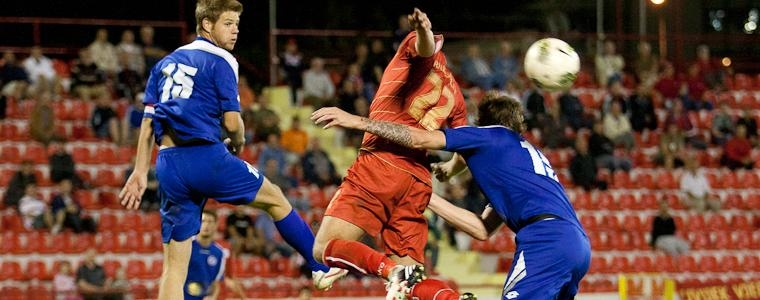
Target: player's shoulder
{"type": "Point", "coordinates": [210, 51]}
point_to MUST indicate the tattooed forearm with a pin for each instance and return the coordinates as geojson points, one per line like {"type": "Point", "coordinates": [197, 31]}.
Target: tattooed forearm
{"type": "Point", "coordinates": [396, 133]}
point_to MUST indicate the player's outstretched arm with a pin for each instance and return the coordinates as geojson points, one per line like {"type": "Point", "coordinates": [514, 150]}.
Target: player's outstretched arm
{"type": "Point", "coordinates": [419, 21]}
{"type": "Point", "coordinates": [136, 184]}
{"type": "Point", "coordinates": [479, 227]}
{"type": "Point", "coordinates": [406, 136]}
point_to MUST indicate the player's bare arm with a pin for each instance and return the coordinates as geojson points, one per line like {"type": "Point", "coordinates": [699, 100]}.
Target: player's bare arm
{"type": "Point", "coordinates": [445, 170]}
{"type": "Point", "coordinates": [406, 136]}
{"type": "Point", "coordinates": [425, 41]}
{"type": "Point", "coordinates": [137, 182]}
{"type": "Point", "coordinates": [479, 227]}
{"type": "Point", "coordinates": [233, 123]}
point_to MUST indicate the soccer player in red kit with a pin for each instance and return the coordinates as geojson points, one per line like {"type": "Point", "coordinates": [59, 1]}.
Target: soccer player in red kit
{"type": "Point", "coordinates": [388, 187]}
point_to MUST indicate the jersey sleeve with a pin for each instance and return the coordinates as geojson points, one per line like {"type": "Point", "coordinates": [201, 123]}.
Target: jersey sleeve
{"type": "Point", "coordinates": [227, 88]}
{"type": "Point", "coordinates": [151, 92]}
{"type": "Point", "coordinates": [465, 138]}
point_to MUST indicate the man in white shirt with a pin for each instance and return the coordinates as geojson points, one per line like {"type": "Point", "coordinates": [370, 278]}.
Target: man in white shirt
{"type": "Point", "coordinates": [40, 69]}
{"type": "Point", "coordinates": [34, 212]}
{"type": "Point", "coordinates": [696, 188]}
{"type": "Point", "coordinates": [318, 88]}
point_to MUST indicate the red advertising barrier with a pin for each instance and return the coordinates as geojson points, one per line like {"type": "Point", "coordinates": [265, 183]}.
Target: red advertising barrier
{"type": "Point", "coordinates": [738, 291]}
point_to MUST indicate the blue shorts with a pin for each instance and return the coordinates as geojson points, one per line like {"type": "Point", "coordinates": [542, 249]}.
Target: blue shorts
{"type": "Point", "coordinates": [189, 175]}
{"type": "Point", "coordinates": [552, 257]}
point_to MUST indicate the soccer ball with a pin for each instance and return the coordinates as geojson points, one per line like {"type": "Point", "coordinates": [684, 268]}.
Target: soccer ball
{"type": "Point", "coordinates": [551, 64]}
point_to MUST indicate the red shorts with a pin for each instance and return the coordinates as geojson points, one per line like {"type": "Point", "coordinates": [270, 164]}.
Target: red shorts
{"type": "Point", "coordinates": [382, 199]}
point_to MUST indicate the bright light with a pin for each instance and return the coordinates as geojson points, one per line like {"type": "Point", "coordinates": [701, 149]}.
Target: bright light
{"type": "Point", "coordinates": [750, 26]}
{"type": "Point", "coordinates": [657, 2]}
{"type": "Point", "coordinates": [726, 61]}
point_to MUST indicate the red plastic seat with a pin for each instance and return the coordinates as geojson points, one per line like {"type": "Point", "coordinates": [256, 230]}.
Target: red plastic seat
{"type": "Point", "coordinates": [12, 222]}
{"type": "Point", "coordinates": [109, 200]}
{"type": "Point", "coordinates": [109, 242]}
{"type": "Point", "coordinates": [133, 241]}
{"type": "Point", "coordinates": [13, 293]}
{"type": "Point", "coordinates": [589, 222]}
{"type": "Point", "coordinates": [110, 266]}
{"type": "Point", "coordinates": [284, 266]}
{"type": "Point", "coordinates": [582, 200]}
{"type": "Point", "coordinates": [696, 223]}
{"type": "Point", "coordinates": [151, 222]}
{"type": "Point", "coordinates": [666, 180]}
{"type": "Point", "coordinates": [708, 264]}
{"type": "Point", "coordinates": [609, 222]}
{"type": "Point", "coordinates": [628, 202]}
{"type": "Point", "coordinates": [716, 222]}
{"type": "Point", "coordinates": [131, 220]}
{"type": "Point", "coordinates": [39, 292]}
{"type": "Point", "coordinates": [643, 264]}
{"type": "Point", "coordinates": [11, 270]}
{"type": "Point", "coordinates": [750, 263]}
{"type": "Point", "coordinates": [604, 200]}
{"type": "Point", "coordinates": [136, 268]}
{"type": "Point", "coordinates": [156, 267]}
{"type": "Point", "coordinates": [701, 241]}
{"type": "Point", "coordinates": [687, 263]}
{"type": "Point", "coordinates": [107, 177]}
{"type": "Point", "coordinates": [729, 263]}
{"type": "Point", "coordinates": [723, 240]}
{"type": "Point", "coordinates": [81, 154]}
{"type": "Point", "coordinates": [260, 267]}
{"type": "Point", "coordinates": [36, 153]}
{"type": "Point", "coordinates": [665, 263]}
{"type": "Point", "coordinates": [56, 243]}
{"type": "Point", "coordinates": [10, 154]}
{"type": "Point", "coordinates": [633, 223]}
{"type": "Point", "coordinates": [36, 269]}
{"type": "Point", "coordinates": [742, 239]}
{"type": "Point", "coordinates": [107, 155]}
{"type": "Point", "coordinates": [108, 222]}
{"type": "Point", "coordinates": [34, 242]}
{"type": "Point", "coordinates": [734, 200]}
{"type": "Point", "coordinates": [619, 264]}
{"type": "Point", "coordinates": [88, 200]}
{"type": "Point", "coordinates": [80, 243]}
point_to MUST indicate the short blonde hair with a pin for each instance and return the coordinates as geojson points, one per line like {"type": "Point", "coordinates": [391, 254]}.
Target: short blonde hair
{"type": "Point", "coordinates": [212, 9]}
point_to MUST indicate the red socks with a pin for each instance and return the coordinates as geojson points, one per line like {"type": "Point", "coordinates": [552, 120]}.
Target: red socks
{"type": "Point", "coordinates": [433, 289]}
{"type": "Point", "coordinates": [352, 255]}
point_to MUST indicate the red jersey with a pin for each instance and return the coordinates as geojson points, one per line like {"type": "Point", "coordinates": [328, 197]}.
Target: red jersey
{"type": "Point", "coordinates": [415, 91]}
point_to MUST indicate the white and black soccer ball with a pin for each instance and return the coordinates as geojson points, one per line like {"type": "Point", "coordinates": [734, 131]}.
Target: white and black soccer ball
{"type": "Point", "coordinates": [551, 64]}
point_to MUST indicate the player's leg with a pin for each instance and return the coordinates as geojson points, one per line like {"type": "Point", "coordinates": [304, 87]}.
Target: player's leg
{"type": "Point", "coordinates": [337, 245]}
{"type": "Point", "coordinates": [176, 260]}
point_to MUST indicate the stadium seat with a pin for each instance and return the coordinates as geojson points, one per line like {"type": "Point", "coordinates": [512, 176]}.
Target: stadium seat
{"type": "Point", "coordinates": [589, 222]}
{"type": "Point", "coordinates": [284, 266]}
{"type": "Point", "coordinates": [36, 152]}
{"type": "Point", "coordinates": [12, 222]}
{"type": "Point", "coordinates": [110, 266]}
{"type": "Point", "coordinates": [628, 201]}
{"type": "Point", "coordinates": [687, 263]}
{"type": "Point", "coordinates": [643, 264]}
{"type": "Point", "coordinates": [55, 243]}
{"type": "Point", "coordinates": [136, 268]}
{"type": "Point", "coordinates": [716, 222]}
{"type": "Point", "coordinates": [155, 270]}
{"type": "Point", "coordinates": [152, 222]}
{"type": "Point", "coordinates": [665, 263]}
{"type": "Point", "coordinates": [599, 241]}
{"type": "Point", "coordinates": [742, 239]}
{"type": "Point", "coordinates": [749, 180]}
{"type": "Point", "coordinates": [80, 243]}
{"type": "Point", "coordinates": [582, 200]}
{"type": "Point", "coordinates": [619, 264]}
{"type": "Point", "coordinates": [108, 178]}
{"type": "Point", "coordinates": [13, 293]}
{"type": "Point", "coordinates": [87, 199]}
{"type": "Point", "coordinates": [107, 222]}
{"type": "Point", "coordinates": [734, 201]}
{"type": "Point", "coordinates": [131, 220]}
{"type": "Point", "coordinates": [708, 264]}
{"type": "Point", "coordinates": [36, 269]}
{"type": "Point", "coordinates": [35, 240]}
{"type": "Point", "coordinates": [644, 181]}
{"type": "Point", "coordinates": [666, 180]}
{"type": "Point", "coordinates": [10, 154]}
{"type": "Point", "coordinates": [109, 242]}
{"type": "Point", "coordinates": [81, 154]}
{"type": "Point", "coordinates": [36, 291]}
{"type": "Point", "coordinates": [620, 241]}
{"type": "Point", "coordinates": [753, 201]}
{"type": "Point", "coordinates": [604, 200]}
{"type": "Point", "coordinates": [633, 223]}
{"type": "Point", "coordinates": [729, 263]}
{"type": "Point", "coordinates": [722, 241]}
{"type": "Point", "coordinates": [133, 240]}
{"type": "Point", "coordinates": [11, 270]}
{"type": "Point", "coordinates": [750, 263]}
{"type": "Point", "coordinates": [609, 222]}
{"type": "Point", "coordinates": [700, 240]}
{"type": "Point", "coordinates": [109, 199]}
{"type": "Point", "coordinates": [260, 267]}
{"type": "Point", "coordinates": [695, 223]}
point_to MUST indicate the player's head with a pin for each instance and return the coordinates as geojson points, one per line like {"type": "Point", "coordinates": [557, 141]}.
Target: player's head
{"type": "Point", "coordinates": [499, 109]}
{"type": "Point", "coordinates": [218, 20]}
{"type": "Point", "coordinates": [208, 224]}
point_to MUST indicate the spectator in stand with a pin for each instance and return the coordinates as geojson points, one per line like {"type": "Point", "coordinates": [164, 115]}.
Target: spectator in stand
{"type": "Point", "coordinates": [696, 188]}
{"type": "Point", "coordinates": [42, 119]}
{"type": "Point", "coordinates": [709, 69]}
{"type": "Point", "coordinates": [41, 73]}
{"type": "Point", "coordinates": [295, 139]}
{"type": "Point", "coordinates": [679, 116]}
{"type": "Point", "coordinates": [722, 125]}
{"type": "Point", "coordinates": [664, 236]}
{"type": "Point", "coordinates": [609, 64]}
{"type": "Point", "coordinates": [615, 93]}
{"type": "Point", "coordinates": [317, 167]}
{"type": "Point", "coordinates": [291, 64]}
{"type": "Point", "coordinates": [668, 86]}
{"type": "Point", "coordinates": [130, 125]}
{"type": "Point", "coordinates": [737, 152]}
{"type": "Point", "coordinates": [350, 90]}
{"type": "Point", "coordinates": [571, 111]}
{"type": "Point", "coordinates": [749, 122]}
{"type": "Point", "coordinates": [67, 212]}
{"type": "Point", "coordinates": [104, 121]}
{"type": "Point", "coordinates": [14, 80]}
{"type": "Point", "coordinates": [693, 98]}
{"type": "Point", "coordinates": [533, 103]}
{"type": "Point", "coordinates": [64, 283]}
{"type": "Point", "coordinates": [92, 281]}
{"type": "Point", "coordinates": [87, 80]}
{"type": "Point", "coordinates": [646, 65]}
{"type": "Point", "coordinates": [274, 151]}
{"type": "Point", "coordinates": [373, 69]}
{"type": "Point", "coordinates": [318, 88]}
{"type": "Point", "coordinates": [271, 167]}
{"type": "Point", "coordinates": [603, 150]}
{"type": "Point", "coordinates": [356, 81]}
{"type": "Point", "coordinates": [104, 53]}
{"type": "Point", "coordinates": [62, 165]}
{"type": "Point", "coordinates": [129, 81]}
{"type": "Point", "coordinates": [401, 31]}
{"type": "Point", "coordinates": [554, 130]}
{"type": "Point", "coordinates": [152, 52]}
{"type": "Point", "coordinates": [265, 121]}
{"type": "Point", "coordinates": [505, 65]}
{"type": "Point", "coordinates": [273, 246]}
{"type": "Point", "coordinates": [33, 210]}
{"type": "Point", "coordinates": [583, 170]}
{"type": "Point", "coordinates": [17, 185]}
{"type": "Point", "coordinates": [642, 113]}
{"type": "Point", "coordinates": [241, 233]}
{"type": "Point", "coordinates": [135, 60]}
{"type": "Point", "coordinates": [151, 198]}
{"type": "Point", "coordinates": [672, 147]}
{"type": "Point", "coordinates": [513, 88]}
{"type": "Point", "coordinates": [617, 127]}
{"type": "Point", "coordinates": [476, 70]}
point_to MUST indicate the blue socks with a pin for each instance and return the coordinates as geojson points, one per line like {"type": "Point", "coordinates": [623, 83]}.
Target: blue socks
{"type": "Point", "coordinates": [298, 235]}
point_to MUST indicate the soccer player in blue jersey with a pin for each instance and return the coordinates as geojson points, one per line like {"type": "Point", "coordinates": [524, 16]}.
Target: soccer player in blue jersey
{"type": "Point", "coordinates": [190, 97]}
{"type": "Point", "coordinates": [207, 261]}
{"type": "Point", "coordinates": [553, 251]}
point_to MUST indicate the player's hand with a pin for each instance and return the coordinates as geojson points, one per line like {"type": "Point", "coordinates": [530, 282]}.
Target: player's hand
{"type": "Point", "coordinates": [234, 147]}
{"type": "Point", "coordinates": [133, 190]}
{"type": "Point", "coordinates": [442, 171]}
{"type": "Point", "coordinates": [333, 116]}
{"type": "Point", "coordinates": [419, 20]}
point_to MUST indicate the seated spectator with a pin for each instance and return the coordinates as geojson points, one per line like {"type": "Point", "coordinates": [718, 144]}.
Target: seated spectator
{"type": "Point", "coordinates": [646, 65]}
{"type": "Point", "coordinates": [737, 152]}
{"type": "Point", "coordinates": [476, 70]}
{"type": "Point", "coordinates": [667, 85]}
{"type": "Point", "coordinates": [265, 121]}
{"type": "Point", "coordinates": [132, 52]}
{"type": "Point", "coordinates": [664, 233]}
{"type": "Point", "coordinates": [87, 80]}
{"type": "Point", "coordinates": [152, 51]}
{"type": "Point", "coordinates": [672, 148]}
{"type": "Point", "coordinates": [615, 93]}
{"type": "Point", "coordinates": [241, 233]}
{"type": "Point", "coordinates": [680, 117]}
{"type": "Point", "coordinates": [505, 65]}
{"type": "Point", "coordinates": [583, 170]}
{"type": "Point", "coordinates": [617, 127]}
{"type": "Point", "coordinates": [318, 88]}
{"type": "Point", "coordinates": [271, 169]}
{"type": "Point", "coordinates": [533, 103]}
{"type": "Point", "coordinates": [129, 81]}
{"type": "Point", "coordinates": [92, 281]}
{"type": "Point", "coordinates": [292, 66]}
{"type": "Point", "coordinates": [151, 198]}
{"type": "Point", "coordinates": [572, 111]}
{"type": "Point", "coordinates": [62, 165]}
{"type": "Point", "coordinates": [17, 185]}
{"type": "Point", "coordinates": [749, 122]}
{"type": "Point", "coordinates": [14, 81]}
{"type": "Point", "coordinates": [67, 212]}
{"type": "Point", "coordinates": [41, 72]}
{"type": "Point", "coordinates": [317, 167]}
{"type": "Point", "coordinates": [34, 211]}
{"type": "Point", "coordinates": [609, 64]}
{"type": "Point", "coordinates": [722, 125]}
{"type": "Point", "coordinates": [132, 120]}
{"type": "Point", "coordinates": [603, 151]}
{"type": "Point", "coordinates": [104, 53]}
{"type": "Point", "coordinates": [104, 121]}
{"type": "Point", "coordinates": [709, 68]}
{"type": "Point", "coordinates": [696, 188]}
{"type": "Point", "coordinates": [295, 139]}
{"type": "Point", "coordinates": [64, 283]}
{"type": "Point", "coordinates": [642, 114]}
{"type": "Point", "coordinates": [42, 120]}
{"type": "Point", "coordinates": [693, 96]}
{"type": "Point", "coordinates": [272, 150]}
{"type": "Point", "coordinates": [553, 130]}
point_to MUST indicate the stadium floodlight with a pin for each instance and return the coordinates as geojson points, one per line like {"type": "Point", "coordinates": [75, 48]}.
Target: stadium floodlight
{"type": "Point", "coordinates": [657, 2]}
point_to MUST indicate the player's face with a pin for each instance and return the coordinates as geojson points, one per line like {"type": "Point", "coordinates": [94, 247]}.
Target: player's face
{"type": "Point", "coordinates": [208, 226]}
{"type": "Point", "coordinates": [225, 30]}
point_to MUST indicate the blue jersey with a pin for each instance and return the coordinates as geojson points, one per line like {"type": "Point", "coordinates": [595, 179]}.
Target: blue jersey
{"type": "Point", "coordinates": [517, 179]}
{"type": "Point", "coordinates": [206, 266]}
{"type": "Point", "coordinates": [189, 90]}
